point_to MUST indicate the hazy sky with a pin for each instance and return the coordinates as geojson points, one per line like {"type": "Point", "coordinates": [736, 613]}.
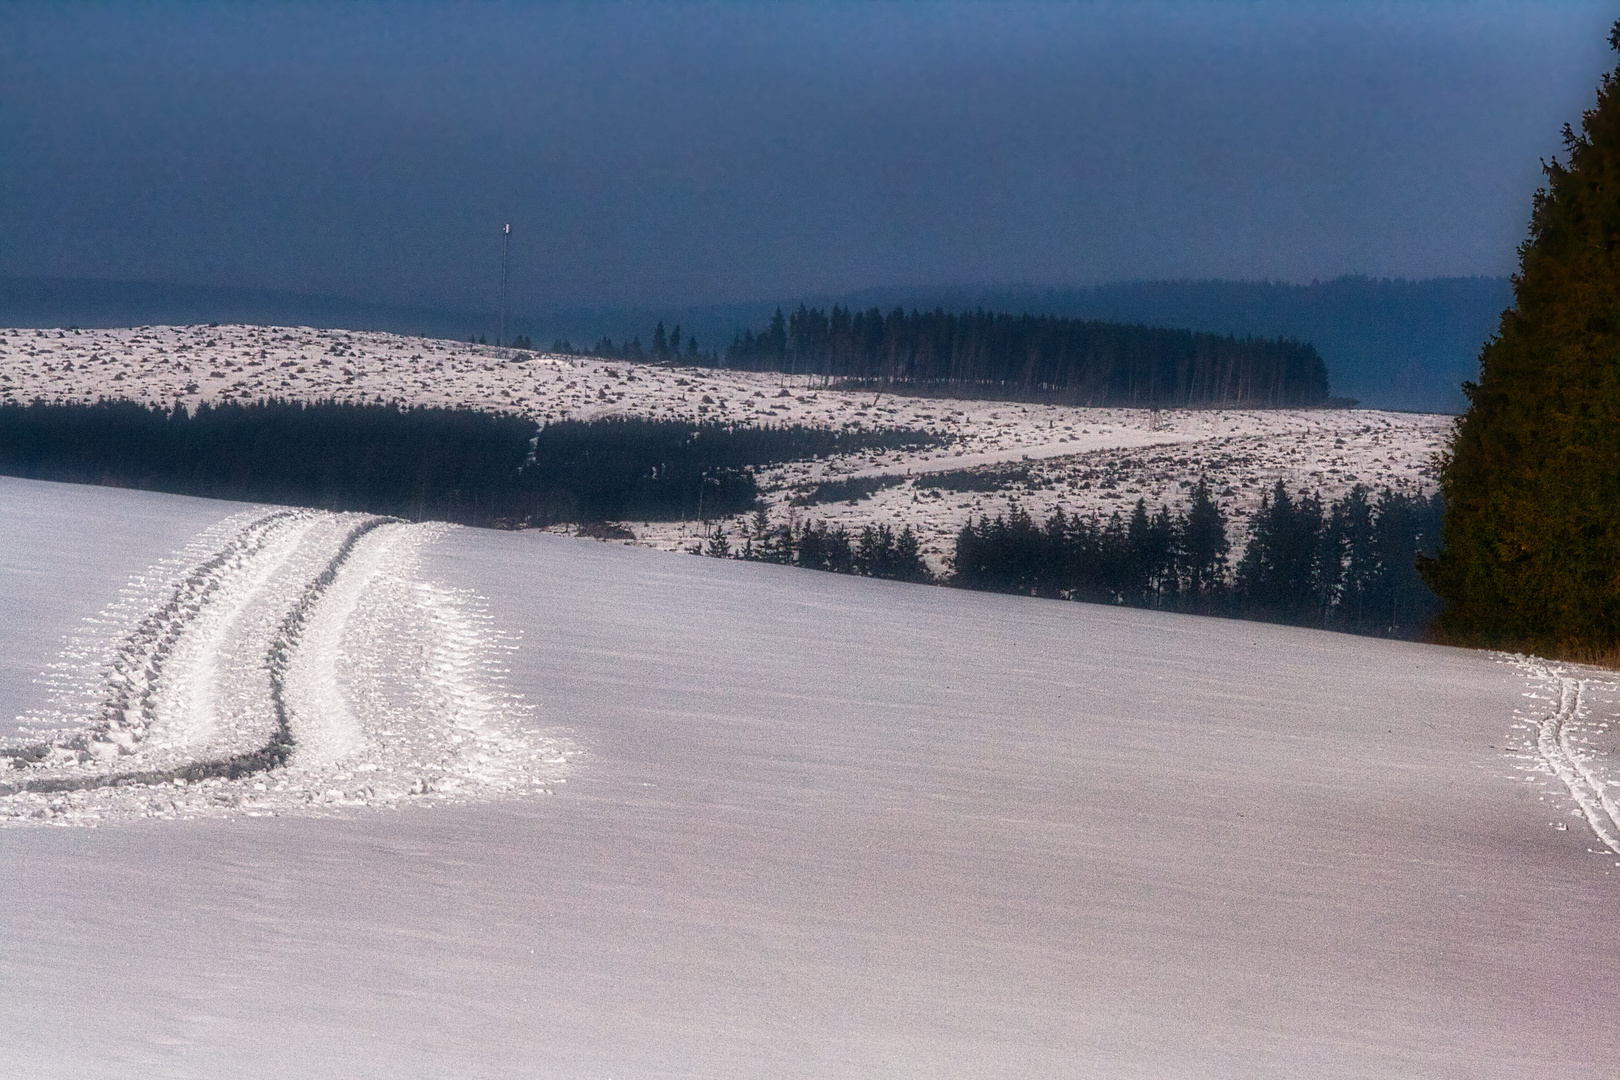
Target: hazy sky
{"type": "Point", "coordinates": [681, 153]}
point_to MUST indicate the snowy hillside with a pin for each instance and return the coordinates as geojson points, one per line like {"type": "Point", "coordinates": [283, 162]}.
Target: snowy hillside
{"type": "Point", "coordinates": [1084, 459]}
{"type": "Point", "coordinates": [729, 819]}
{"type": "Point", "coordinates": [298, 656]}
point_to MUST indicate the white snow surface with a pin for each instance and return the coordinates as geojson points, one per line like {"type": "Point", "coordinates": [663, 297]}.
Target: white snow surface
{"type": "Point", "coordinates": [288, 661]}
{"type": "Point", "coordinates": [809, 825]}
{"type": "Point", "coordinates": [1082, 459]}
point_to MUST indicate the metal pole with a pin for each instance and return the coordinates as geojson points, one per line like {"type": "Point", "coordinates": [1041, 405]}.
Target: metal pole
{"type": "Point", "coordinates": [506, 246]}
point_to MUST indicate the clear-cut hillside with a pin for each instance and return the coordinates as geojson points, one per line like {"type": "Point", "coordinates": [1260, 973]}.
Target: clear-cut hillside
{"type": "Point", "coordinates": [1086, 460]}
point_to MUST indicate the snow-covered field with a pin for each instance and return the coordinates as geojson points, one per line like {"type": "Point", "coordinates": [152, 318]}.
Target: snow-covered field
{"type": "Point", "coordinates": [788, 824]}
{"type": "Point", "coordinates": [283, 660]}
{"type": "Point", "coordinates": [1082, 459]}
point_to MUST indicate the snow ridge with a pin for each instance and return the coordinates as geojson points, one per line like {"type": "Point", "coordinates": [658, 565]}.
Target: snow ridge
{"type": "Point", "coordinates": [1555, 743]}
{"type": "Point", "coordinates": [272, 670]}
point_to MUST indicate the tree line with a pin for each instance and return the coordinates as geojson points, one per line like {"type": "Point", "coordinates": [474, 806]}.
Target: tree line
{"type": "Point", "coordinates": [460, 465]}
{"type": "Point", "coordinates": [1347, 565]}
{"type": "Point", "coordinates": [876, 551]}
{"type": "Point", "coordinates": [1075, 361]}
{"type": "Point", "coordinates": [666, 348]}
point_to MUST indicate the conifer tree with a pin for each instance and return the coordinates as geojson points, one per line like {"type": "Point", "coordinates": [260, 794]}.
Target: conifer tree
{"type": "Point", "coordinates": [1531, 541]}
{"type": "Point", "coordinates": [1360, 573]}
{"type": "Point", "coordinates": [1278, 575]}
{"type": "Point", "coordinates": [776, 337]}
{"type": "Point", "coordinates": [1204, 546]}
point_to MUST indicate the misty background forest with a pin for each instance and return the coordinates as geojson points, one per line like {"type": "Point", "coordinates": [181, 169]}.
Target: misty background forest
{"type": "Point", "coordinates": [993, 354]}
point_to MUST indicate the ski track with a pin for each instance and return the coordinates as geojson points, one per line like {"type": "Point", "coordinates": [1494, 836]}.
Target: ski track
{"type": "Point", "coordinates": [1559, 744]}
{"type": "Point", "coordinates": [287, 661]}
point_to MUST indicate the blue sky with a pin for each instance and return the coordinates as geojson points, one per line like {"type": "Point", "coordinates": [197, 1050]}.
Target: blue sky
{"type": "Point", "coordinates": [686, 153]}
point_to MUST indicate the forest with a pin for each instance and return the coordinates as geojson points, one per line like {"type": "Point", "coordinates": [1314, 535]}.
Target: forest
{"type": "Point", "coordinates": [1069, 361]}
{"type": "Point", "coordinates": [1532, 475]}
{"type": "Point", "coordinates": [459, 465]}
{"type": "Point", "coordinates": [1348, 565]}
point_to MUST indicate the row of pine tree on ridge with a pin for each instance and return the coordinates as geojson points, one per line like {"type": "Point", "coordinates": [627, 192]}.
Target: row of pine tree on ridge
{"type": "Point", "coordinates": [1349, 564]}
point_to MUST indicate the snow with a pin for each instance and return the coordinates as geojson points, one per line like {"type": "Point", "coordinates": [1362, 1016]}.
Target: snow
{"type": "Point", "coordinates": [1575, 746]}
{"type": "Point", "coordinates": [1152, 454]}
{"type": "Point", "coordinates": [812, 826]}
{"type": "Point", "coordinates": [283, 627]}
{"type": "Point", "coordinates": [58, 553]}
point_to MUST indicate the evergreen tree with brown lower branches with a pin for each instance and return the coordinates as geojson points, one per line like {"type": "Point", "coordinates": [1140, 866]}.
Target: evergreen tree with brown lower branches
{"type": "Point", "coordinates": [1531, 541]}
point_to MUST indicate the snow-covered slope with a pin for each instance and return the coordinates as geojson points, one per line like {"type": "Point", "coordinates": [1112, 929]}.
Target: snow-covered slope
{"type": "Point", "coordinates": [1156, 455]}
{"type": "Point", "coordinates": [819, 826]}
{"type": "Point", "coordinates": [285, 660]}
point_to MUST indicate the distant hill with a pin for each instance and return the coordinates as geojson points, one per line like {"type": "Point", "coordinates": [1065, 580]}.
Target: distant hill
{"type": "Point", "coordinates": [1390, 343]}
{"type": "Point", "coordinates": [83, 302]}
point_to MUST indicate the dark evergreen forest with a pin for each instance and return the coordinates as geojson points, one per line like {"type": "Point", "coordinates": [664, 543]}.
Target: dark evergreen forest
{"type": "Point", "coordinates": [457, 465]}
{"type": "Point", "coordinates": [1072, 361]}
{"type": "Point", "coordinates": [1348, 565]}
{"type": "Point", "coordinates": [1532, 477]}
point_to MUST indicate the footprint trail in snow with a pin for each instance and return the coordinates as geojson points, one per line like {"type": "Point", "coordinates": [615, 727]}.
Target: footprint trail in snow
{"type": "Point", "coordinates": [289, 661]}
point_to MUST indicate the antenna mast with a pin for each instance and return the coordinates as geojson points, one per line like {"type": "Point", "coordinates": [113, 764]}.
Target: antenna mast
{"type": "Point", "coordinates": [506, 248]}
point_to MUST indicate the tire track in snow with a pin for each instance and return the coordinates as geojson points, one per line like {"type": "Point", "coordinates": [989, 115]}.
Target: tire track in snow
{"type": "Point", "coordinates": [285, 646]}
{"type": "Point", "coordinates": [202, 658]}
{"type": "Point", "coordinates": [1557, 753]}
{"type": "Point", "coordinates": [315, 713]}
{"type": "Point", "coordinates": [411, 703]}
{"type": "Point", "coordinates": [147, 749]}
{"type": "Point", "coordinates": [131, 709]}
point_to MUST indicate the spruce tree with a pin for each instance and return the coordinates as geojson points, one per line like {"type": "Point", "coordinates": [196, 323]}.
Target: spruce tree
{"type": "Point", "coordinates": [775, 339]}
{"type": "Point", "coordinates": [1277, 578]}
{"type": "Point", "coordinates": [1204, 545]}
{"type": "Point", "coordinates": [1361, 570]}
{"type": "Point", "coordinates": [1531, 541]}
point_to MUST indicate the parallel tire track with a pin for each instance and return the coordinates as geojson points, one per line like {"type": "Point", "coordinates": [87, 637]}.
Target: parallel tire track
{"type": "Point", "coordinates": [1557, 752]}
{"type": "Point", "coordinates": [299, 664]}
{"type": "Point", "coordinates": [130, 709]}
